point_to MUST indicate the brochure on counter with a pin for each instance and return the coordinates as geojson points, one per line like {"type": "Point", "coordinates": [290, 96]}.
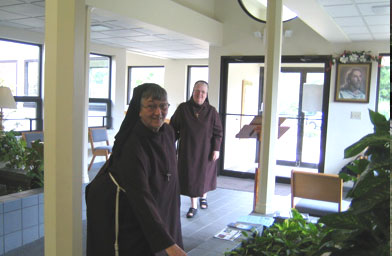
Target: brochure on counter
{"type": "Point", "coordinates": [228, 234]}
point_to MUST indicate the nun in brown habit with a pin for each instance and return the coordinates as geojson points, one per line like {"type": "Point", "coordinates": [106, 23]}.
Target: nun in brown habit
{"type": "Point", "coordinates": [133, 204]}
{"type": "Point", "coordinates": [199, 132]}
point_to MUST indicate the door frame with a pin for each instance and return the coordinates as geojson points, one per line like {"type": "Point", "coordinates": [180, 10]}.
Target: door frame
{"type": "Point", "coordinates": [226, 60]}
{"type": "Point", "coordinates": [302, 71]}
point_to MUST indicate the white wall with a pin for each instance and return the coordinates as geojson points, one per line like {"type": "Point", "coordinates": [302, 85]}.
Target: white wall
{"type": "Point", "coordinates": [344, 131]}
{"type": "Point", "coordinates": [175, 75]}
{"type": "Point", "coordinates": [205, 7]}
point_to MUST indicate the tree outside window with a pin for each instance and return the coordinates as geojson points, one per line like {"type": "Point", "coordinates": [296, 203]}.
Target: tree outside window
{"type": "Point", "coordinates": [384, 87]}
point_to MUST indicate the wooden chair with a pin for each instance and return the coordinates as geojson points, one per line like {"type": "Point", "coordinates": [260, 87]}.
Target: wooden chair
{"type": "Point", "coordinates": [320, 193]}
{"type": "Point", "coordinates": [99, 135]}
{"type": "Point", "coordinates": [29, 137]}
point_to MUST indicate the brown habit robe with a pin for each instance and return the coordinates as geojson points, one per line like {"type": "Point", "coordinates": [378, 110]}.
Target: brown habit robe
{"type": "Point", "coordinates": [150, 207]}
{"type": "Point", "coordinates": [199, 131]}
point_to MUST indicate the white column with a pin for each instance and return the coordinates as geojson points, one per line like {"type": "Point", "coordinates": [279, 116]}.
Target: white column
{"type": "Point", "coordinates": [64, 125]}
{"type": "Point", "coordinates": [85, 95]}
{"type": "Point", "coordinates": [269, 134]}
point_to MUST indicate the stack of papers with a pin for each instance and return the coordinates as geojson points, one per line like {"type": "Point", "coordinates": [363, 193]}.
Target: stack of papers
{"type": "Point", "coordinates": [248, 223]}
{"type": "Point", "coordinates": [228, 234]}
{"type": "Point", "coordinates": [243, 226]}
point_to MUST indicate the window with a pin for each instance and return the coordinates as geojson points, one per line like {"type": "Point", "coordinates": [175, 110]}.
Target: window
{"type": "Point", "coordinates": [195, 73]}
{"type": "Point", "coordinates": [20, 70]}
{"type": "Point", "coordinates": [384, 87]}
{"type": "Point", "coordinates": [99, 107]}
{"type": "Point", "coordinates": [138, 75]}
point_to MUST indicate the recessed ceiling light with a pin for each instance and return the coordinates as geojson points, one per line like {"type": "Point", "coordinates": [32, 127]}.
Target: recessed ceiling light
{"type": "Point", "coordinates": [380, 9]}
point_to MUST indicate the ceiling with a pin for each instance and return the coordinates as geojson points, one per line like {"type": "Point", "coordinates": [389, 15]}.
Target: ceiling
{"type": "Point", "coordinates": [354, 20]}
{"type": "Point", "coordinates": [360, 19]}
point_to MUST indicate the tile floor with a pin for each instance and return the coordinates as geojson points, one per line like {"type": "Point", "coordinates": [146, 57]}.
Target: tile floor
{"type": "Point", "coordinates": [225, 206]}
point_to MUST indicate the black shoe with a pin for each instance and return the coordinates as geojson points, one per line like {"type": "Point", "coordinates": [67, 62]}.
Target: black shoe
{"type": "Point", "coordinates": [191, 212]}
{"type": "Point", "coordinates": [203, 203]}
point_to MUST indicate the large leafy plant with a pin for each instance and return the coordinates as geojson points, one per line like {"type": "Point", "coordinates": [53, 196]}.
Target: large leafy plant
{"type": "Point", "coordinates": [294, 236]}
{"type": "Point", "coordinates": [364, 229]}
{"type": "Point", "coordinates": [12, 150]}
{"type": "Point", "coordinates": [16, 155]}
{"type": "Point", "coordinates": [35, 164]}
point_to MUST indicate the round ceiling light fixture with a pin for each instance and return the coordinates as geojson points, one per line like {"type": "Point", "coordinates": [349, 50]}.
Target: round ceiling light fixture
{"type": "Point", "coordinates": [257, 10]}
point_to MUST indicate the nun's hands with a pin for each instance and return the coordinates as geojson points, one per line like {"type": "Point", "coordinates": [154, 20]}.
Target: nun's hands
{"type": "Point", "coordinates": [175, 250]}
{"type": "Point", "coordinates": [215, 155]}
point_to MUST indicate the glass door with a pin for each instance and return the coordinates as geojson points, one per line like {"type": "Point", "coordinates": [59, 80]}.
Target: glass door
{"type": "Point", "coordinates": [243, 104]}
{"type": "Point", "coordinates": [300, 96]}
{"type": "Point", "coordinates": [302, 104]}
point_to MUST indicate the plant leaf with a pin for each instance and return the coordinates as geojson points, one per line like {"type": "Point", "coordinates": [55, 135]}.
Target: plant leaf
{"type": "Point", "coordinates": [381, 125]}
{"type": "Point", "coordinates": [343, 220]}
{"type": "Point", "coordinates": [364, 142]}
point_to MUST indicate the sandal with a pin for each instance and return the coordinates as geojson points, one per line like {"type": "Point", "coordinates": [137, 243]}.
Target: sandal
{"type": "Point", "coordinates": [203, 203]}
{"type": "Point", "coordinates": [191, 212]}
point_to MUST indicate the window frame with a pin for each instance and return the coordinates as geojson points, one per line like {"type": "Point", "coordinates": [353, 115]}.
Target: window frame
{"type": "Point", "coordinates": [129, 89]}
{"type": "Point", "coordinates": [189, 86]}
{"type": "Point", "coordinates": [107, 101]}
{"type": "Point", "coordinates": [33, 99]}
{"type": "Point", "coordinates": [378, 80]}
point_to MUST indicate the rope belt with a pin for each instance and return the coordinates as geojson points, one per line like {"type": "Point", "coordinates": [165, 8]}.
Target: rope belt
{"type": "Point", "coordinates": [119, 188]}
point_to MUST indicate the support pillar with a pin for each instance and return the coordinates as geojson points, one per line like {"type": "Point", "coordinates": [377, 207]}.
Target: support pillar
{"type": "Point", "coordinates": [64, 125]}
{"type": "Point", "coordinates": [269, 132]}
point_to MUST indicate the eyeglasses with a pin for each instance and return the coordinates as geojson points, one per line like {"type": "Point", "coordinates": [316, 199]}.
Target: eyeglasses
{"type": "Point", "coordinates": [153, 107]}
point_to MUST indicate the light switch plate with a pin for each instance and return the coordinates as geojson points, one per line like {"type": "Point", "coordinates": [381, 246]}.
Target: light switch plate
{"type": "Point", "coordinates": [355, 115]}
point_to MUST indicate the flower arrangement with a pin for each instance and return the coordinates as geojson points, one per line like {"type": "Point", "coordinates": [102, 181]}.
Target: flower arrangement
{"type": "Point", "coordinates": [356, 57]}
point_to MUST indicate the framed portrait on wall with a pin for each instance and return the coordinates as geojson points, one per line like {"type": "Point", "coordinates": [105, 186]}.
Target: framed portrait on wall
{"type": "Point", "coordinates": [352, 82]}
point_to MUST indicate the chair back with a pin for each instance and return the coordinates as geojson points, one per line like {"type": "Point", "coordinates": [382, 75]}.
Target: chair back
{"type": "Point", "coordinates": [316, 186]}
{"type": "Point", "coordinates": [99, 135]}
{"type": "Point", "coordinates": [29, 137]}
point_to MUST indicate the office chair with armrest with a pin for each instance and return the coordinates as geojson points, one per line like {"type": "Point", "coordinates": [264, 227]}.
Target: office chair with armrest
{"type": "Point", "coordinates": [97, 135]}
{"type": "Point", "coordinates": [29, 137]}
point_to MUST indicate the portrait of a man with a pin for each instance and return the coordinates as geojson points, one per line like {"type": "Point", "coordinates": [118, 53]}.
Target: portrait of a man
{"type": "Point", "coordinates": [352, 83]}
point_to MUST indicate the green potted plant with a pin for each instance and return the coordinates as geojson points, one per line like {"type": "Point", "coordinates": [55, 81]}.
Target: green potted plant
{"type": "Point", "coordinates": [12, 150]}
{"type": "Point", "coordinates": [294, 236]}
{"type": "Point", "coordinates": [364, 229]}
{"type": "Point", "coordinates": [34, 164]}
{"type": "Point", "coordinates": [12, 156]}
{"type": "Point", "coordinates": [23, 166]}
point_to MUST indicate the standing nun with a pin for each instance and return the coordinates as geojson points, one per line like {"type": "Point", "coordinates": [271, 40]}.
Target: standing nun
{"type": "Point", "coordinates": [199, 132]}
{"type": "Point", "coordinates": [133, 204]}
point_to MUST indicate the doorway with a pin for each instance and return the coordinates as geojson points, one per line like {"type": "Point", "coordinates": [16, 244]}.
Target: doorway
{"type": "Point", "coordinates": [300, 97]}
{"type": "Point", "coordinates": [301, 107]}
